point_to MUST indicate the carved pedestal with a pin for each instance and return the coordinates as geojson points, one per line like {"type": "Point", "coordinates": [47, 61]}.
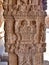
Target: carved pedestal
{"type": "Point", "coordinates": [24, 31]}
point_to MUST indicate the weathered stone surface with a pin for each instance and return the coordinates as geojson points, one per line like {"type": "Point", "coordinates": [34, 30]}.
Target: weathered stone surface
{"type": "Point", "coordinates": [1, 12]}
{"type": "Point", "coordinates": [47, 21]}
{"type": "Point", "coordinates": [13, 59]}
{"type": "Point", "coordinates": [24, 31]}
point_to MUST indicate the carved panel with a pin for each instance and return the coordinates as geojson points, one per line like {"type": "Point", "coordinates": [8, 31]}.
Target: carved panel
{"type": "Point", "coordinates": [26, 29]}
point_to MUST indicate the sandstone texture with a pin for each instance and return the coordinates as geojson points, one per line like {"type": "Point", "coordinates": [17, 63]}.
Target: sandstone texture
{"type": "Point", "coordinates": [25, 31]}
{"type": "Point", "coordinates": [47, 21]}
{"type": "Point", "coordinates": [1, 12]}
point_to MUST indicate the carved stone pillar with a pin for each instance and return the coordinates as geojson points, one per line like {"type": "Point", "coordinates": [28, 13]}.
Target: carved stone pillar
{"type": "Point", "coordinates": [1, 12]}
{"type": "Point", "coordinates": [24, 31]}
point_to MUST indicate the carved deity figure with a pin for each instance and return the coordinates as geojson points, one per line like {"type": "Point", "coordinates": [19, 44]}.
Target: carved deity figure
{"type": "Point", "coordinates": [26, 31]}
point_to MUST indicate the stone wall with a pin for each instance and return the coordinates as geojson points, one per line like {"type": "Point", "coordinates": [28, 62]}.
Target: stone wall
{"type": "Point", "coordinates": [24, 31]}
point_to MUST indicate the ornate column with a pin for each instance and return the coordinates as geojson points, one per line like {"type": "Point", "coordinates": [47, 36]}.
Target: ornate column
{"type": "Point", "coordinates": [1, 12]}
{"type": "Point", "coordinates": [24, 31]}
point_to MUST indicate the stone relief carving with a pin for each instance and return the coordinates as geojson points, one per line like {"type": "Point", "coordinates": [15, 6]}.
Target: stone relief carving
{"type": "Point", "coordinates": [10, 38]}
{"type": "Point", "coordinates": [24, 31]}
{"type": "Point", "coordinates": [25, 46]}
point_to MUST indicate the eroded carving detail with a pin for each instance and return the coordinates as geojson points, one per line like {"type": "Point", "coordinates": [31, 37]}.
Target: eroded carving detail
{"type": "Point", "coordinates": [25, 31]}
